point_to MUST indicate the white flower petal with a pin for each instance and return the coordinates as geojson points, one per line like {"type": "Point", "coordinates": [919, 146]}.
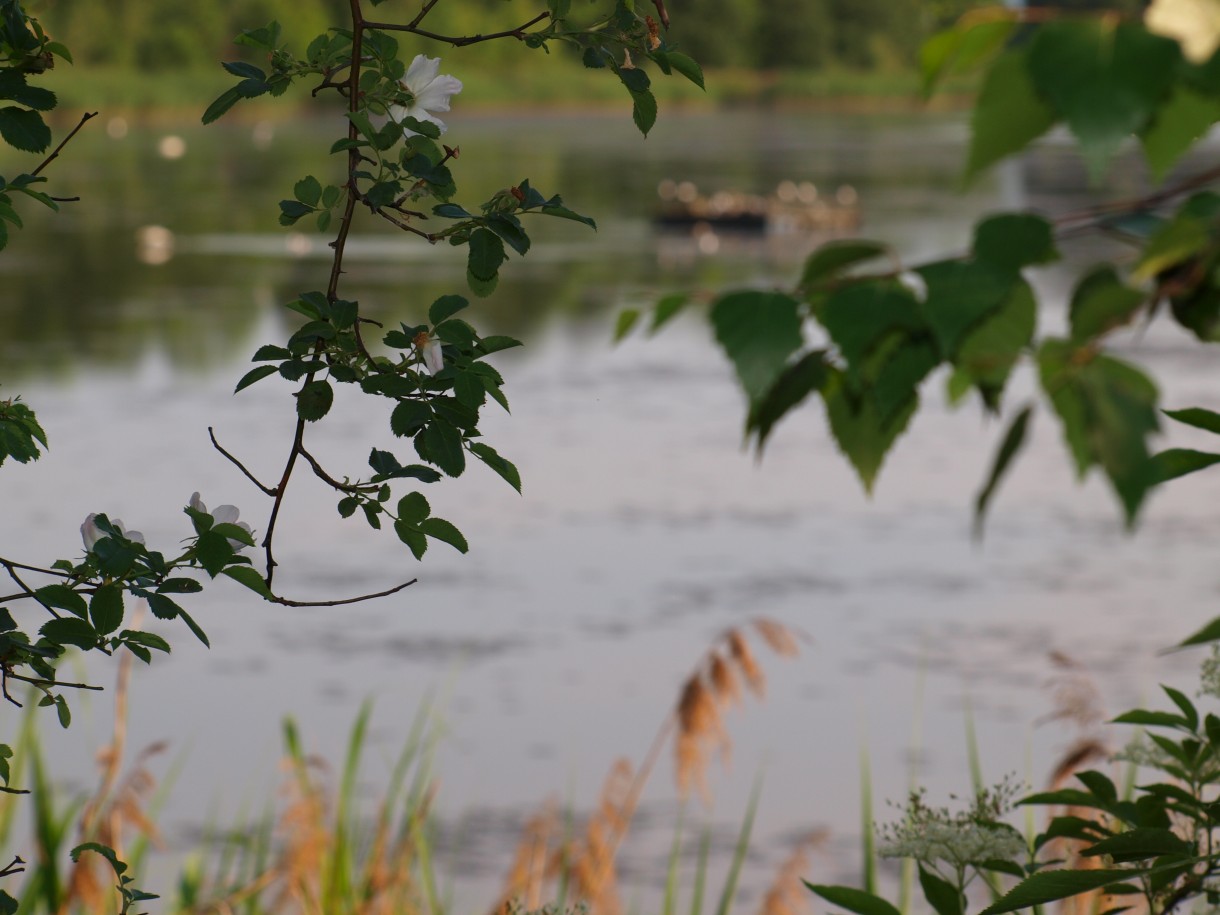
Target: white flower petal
{"type": "Point", "coordinates": [196, 504]}
{"type": "Point", "coordinates": [225, 514]}
{"type": "Point", "coordinates": [89, 532]}
{"type": "Point", "coordinates": [434, 356]}
{"type": "Point", "coordinates": [436, 94]}
{"type": "Point", "coordinates": [423, 70]}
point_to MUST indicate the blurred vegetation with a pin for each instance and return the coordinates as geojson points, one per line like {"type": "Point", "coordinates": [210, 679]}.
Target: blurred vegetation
{"type": "Point", "coordinates": [160, 36]}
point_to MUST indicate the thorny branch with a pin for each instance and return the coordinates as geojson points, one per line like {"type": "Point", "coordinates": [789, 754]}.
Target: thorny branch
{"type": "Point", "coordinates": [459, 41]}
{"type": "Point", "coordinates": [87, 116]}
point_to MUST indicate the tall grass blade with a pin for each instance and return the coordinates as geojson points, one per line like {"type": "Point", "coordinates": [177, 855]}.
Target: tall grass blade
{"type": "Point", "coordinates": [338, 891]}
{"type": "Point", "coordinates": [976, 781]}
{"type": "Point", "coordinates": [868, 850]}
{"type": "Point", "coordinates": [672, 871]}
{"type": "Point", "coordinates": [705, 846]}
{"type": "Point", "coordinates": [739, 851]}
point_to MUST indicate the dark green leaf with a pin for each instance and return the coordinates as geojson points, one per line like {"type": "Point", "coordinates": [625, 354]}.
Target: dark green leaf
{"type": "Point", "coordinates": [214, 552]}
{"type": "Point", "coordinates": [1011, 241]}
{"type": "Point", "coordinates": [106, 608]}
{"type": "Point", "coordinates": [1176, 126]}
{"type": "Point", "coordinates": [439, 529]}
{"type": "Point", "coordinates": [25, 130]}
{"type": "Point", "coordinates": [668, 307]}
{"type": "Point", "coordinates": [1051, 885]}
{"type": "Point", "coordinates": [626, 320]}
{"type": "Point", "coordinates": [1008, 115]}
{"type": "Point", "coordinates": [412, 537]}
{"type": "Point", "coordinates": [1208, 420]}
{"type": "Point", "coordinates": [409, 417]}
{"type": "Point", "coordinates": [1187, 707]}
{"type": "Point", "coordinates": [62, 598]}
{"type": "Point", "coordinates": [1178, 462]}
{"type": "Point", "coordinates": [1013, 440]}
{"type": "Point", "coordinates": [314, 400]}
{"type": "Point", "coordinates": [1102, 302]}
{"type": "Point", "coordinates": [494, 344]}
{"type": "Point", "coordinates": [643, 110]}
{"type": "Point", "coordinates": [509, 229]}
{"type": "Point", "coordinates": [854, 900]}
{"type": "Point", "coordinates": [194, 627]}
{"type": "Point", "coordinates": [223, 103]}
{"type": "Point", "coordinates": [831, 259]}
{"type": "Point", "coordinates": [794, 384]}
{"type": "Point", "coordinates": [857, 428]}
{"type": "Point", "coordinates": [440, 443]}
{"type": "Point", "coordinates": [446, 307]}
{"type": "Point", "coordinates": [413, 508]}
{"type": "Point", "coordinates": [960, 296]}
{"type": "Point", "coordinates": [940, 893]}
{"type": "Point", "coordinates": [1146, 718]}
{"type": "Point", "coordinates": [759, 331]}
{"type": "Point", "coordinates": [486, 254]}
{"type": "Point", "coordinates": [250, 578]}
{"type": "Point", "coordinates": [1106, 80]}
{"type": "Point", "coordinates": [255, 374]}
{"type": "Point", "coordinates": [687, 66]}
{"type": "Point", "coordinates": [162, 607]}
{"type": "Point", "coordinates": [504, 468]}
{"type": "Point", "coordinates": [69, 630]}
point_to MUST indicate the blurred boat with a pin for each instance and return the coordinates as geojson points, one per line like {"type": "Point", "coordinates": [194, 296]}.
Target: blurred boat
{"type": "Point", "coordinates": [792, 207]}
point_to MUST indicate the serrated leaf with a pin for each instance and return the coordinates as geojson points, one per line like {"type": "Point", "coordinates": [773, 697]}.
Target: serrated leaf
{"type": "Point", "coordinates": [795, 383]}
{"type": "Point", "coordinates": [446, 307]}
{"type": "Point", "coordinates": [1010, 446]}
{"type": "Point", "coordinates": [1012, 241]}
{"type": "Point", "coordinates": [414, 538]}
{"type": "Point", "coordinates": [1051, 885]}
{"type": "Point", "coordinates": [832, 258]}
{"type": "Point", "coordinates": [758, 331]}
{"type": "Point", "coordinates": [643, 110]}
{"type": "Point", "coordinates": [861, 316]}
{"type": "Point", "coordinates": [1177, 125]}
{"type": "Point", "coordinates": [223, 103]}
{"type": "Point", "coordinates": [314, 400]}
{"type": "Point", "coordinates": [1101, 302]}
{"type": "Point", "coordinates": [960, 296]}
{"type": "Point", "coordinates": [24, 129]}
{"type": "Point", "coordinates": [440, 529]}
{"type": "Point", "coordinates": [486, 254]}
{"type": "Point", "coordinates": [69, 630]}
{"type": "Point", "coordinates": [245, 575]}
{"type": "Point", "coordinates": [308, 190]}
{"type": "Point", "coordinates": [255, 374]}
{"type": "Point", "coordinates": [106, 608]}
{"type": "Point", "coordinates": [1198, 417]}
{"type": "Point", "coordinates": [413, 508]}
{"type": "Point", "coordinates": [1008, 113]}
{"type": "Point", "coordinates": [1105, 80]}
{"type": "Point", "coordinates": [409, 417]}
{"type": "Point", "coordinates": [942, 895]}
{"type": "Point", "coordinates": [62, 597]}
{"type": "Point", "coordinates": [687, 66]}
{"type": "Point", "coordinates": [858, 429]}
{"type": "Point", "coordinates": [440, 443]}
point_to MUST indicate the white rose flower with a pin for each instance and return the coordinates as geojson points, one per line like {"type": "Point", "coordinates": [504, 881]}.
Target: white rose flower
{"type": "Point", "coordinates": [224, 514]}
{"type": "Point", "coordinates": [90, 533]}
{"type": "Point", "coordinates": [429, 92]}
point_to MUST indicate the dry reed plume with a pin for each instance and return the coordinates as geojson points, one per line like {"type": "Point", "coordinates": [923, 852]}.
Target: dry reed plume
{"type": "Point", "coordinates": [696, 724]}
{"type": "Point", "coordinates": [114, 811]}
{"type": "Point", "coordinates": [1076, 699]}
{"type": "Point", "coordinates": [788, 894]}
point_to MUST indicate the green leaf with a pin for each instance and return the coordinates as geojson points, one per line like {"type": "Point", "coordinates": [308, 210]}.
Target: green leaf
{"type": "Point", "coordinates": [255, 374]}
{"type": "Point", "coordinates": [858, 429]}
{"type": "Point", "coordinates": [860, 317]}
{"type": "Point", "coordinates": [668, 307]}
{"type": "Point", "coordinates": [440, 443]}
{"type": "Point", "coordinates": [1012, 443]}
{"type": "Point", "coordinates": [162, 607]}
{"type": "Point", "coordinates": [643, 110]}
{"type": "Point", "coordinates": [308, 190]}
{"type": "Point", "coordinates": [510, 231]}
{"type": "Point", "coordinates": [1185, 705]}
{"type": "Point", "coordinates": [1012, 241]}
{"type": "Point", "coordinates": [194, 627]}
{"type": "Point", "coordinates": [63, 712]}
{"type": "Point", "coordinates": [25, 130]}
{"type": "Point", "coordinates": [13, 87]}
{"type": "Point", "coordinates": [1176, 126]}
{"type": "Point", "coordinates": [627, 319]}
{"type": "Point", "coordinates": [409, 417]}
{"type": "Point", "coordinates": [223, 103]}
{"type": "Point", "coordinates": [506, 469]}
{"type": "Point", "coordinates": [960, 296]}
{"type": "Point", "coordinates": [69, 630]}
{"type": "Point", "coordinates": [1207, 420]}
{"type": "Point", "coordinates": [62, 597]}
{"type": "Point", "coordinates": [790, 389]}
{"type": "Point", "coordinates": [1178, 462]}
{"type": "Point", "coordinates": [1108, 410]}
{"type": "Point", "coordinates": [106, 608]}
{"type": "Point", "coordinates": [1051, 885]}
{"type": "Point", "coordinates": [245, 575]}
{"type": "Point", "coordinates": [958, 49]}
{"type": "Point", "coordinates": [989, 352]}
{"type": "Point", "coordinates": [831, 259]}
{"type": "Point", "coordinates": [1105, 80]}
{"type": "Point", "coordinates": [1008, 113]}
{"type": "Point", "coordinates": [1140, 844]}
{"type": "Point", "coordinates": [413, 508]}
{"type": "Point", "coordinates": [940, 893]}
{"type": "Point", "coordinates": [1102, 302]}
{"type": "Point", "coordinates": [495, 343]}
{"type": "Point", "coordinates": [412, 537]}
{"type": "Point", "coordinates": [1178, 241]}
{"type": "Point", "coordinates": [446, 307]}
{"type": "Point", "coordinates": [314, 400]}
{"type": "Point", "coordinates": [853, 900]}
{"type": "Point", "coordinates": [687, 66]}
{"type": "Point", "coordinates": [486, 254]}
{"type": "Point", "coordinates": [1146, 718]}
{"type": "Point", "coordinates": [214, 552]}
{"type": "Point", "coordinates": [439, 529]}
{"type": "Point", "coordinates": [758, 331]}
{"type": "Point", "coordinates": [1209, 633]}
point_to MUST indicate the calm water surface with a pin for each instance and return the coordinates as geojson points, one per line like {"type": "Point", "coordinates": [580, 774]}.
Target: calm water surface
{"type": "Point", "coordinates": [644, 530]}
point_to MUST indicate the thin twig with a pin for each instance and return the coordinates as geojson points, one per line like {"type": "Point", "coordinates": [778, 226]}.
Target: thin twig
{"type": "Point", "coordinates": [662, 12]}
{"type": "Point", "coordinates": [88, 115]}
{"type": "Point", "coordinates": [267, 490]}
{"type": "Point", "coordinates": [347, 600]}
{"type": "Point", "coordinates": [459, 41]}
{"type": "Point", "coordinates": [29, 592]}
{"type": "Point", "coordinates": [330, 481]}
{"type": "Point", "coordinates": [37, 681]}
{"type": "Point", "coordinates": [16, 866]}
{"type": "Point", "coordinates": [427, 8]}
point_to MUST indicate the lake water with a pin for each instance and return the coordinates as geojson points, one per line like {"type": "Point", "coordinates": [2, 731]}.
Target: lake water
{"type": "Point", "coordinates": [561, 641]}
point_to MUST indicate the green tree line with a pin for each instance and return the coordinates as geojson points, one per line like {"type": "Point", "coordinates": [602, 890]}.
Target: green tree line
{"type": "Point", "coordinates": [157, 35]}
